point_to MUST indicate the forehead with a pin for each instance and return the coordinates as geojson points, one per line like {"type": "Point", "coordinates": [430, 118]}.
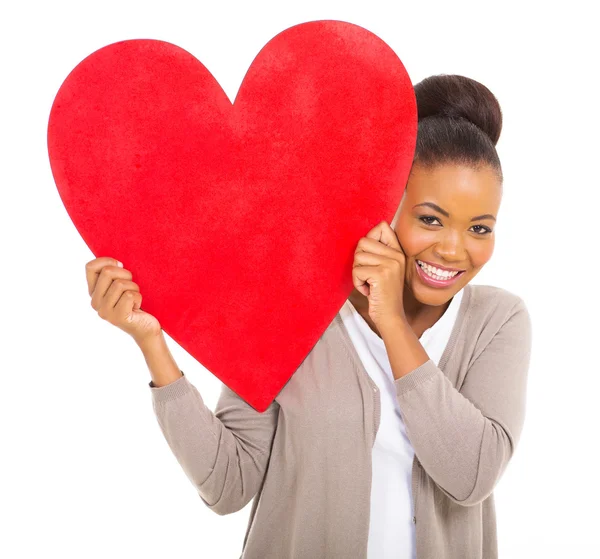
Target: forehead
{"type": "Point", "coordinates": [457, 188]}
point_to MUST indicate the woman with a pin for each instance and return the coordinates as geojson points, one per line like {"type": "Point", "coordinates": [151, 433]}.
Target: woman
{"type": "Point", "coordinates": [390, 437]}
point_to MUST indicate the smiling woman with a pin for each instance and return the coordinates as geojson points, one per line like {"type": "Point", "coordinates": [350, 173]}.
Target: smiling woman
{"type": "Point", "coordinates": [445, 234]}
{"type": "Point", "coordinates": [389, 439]}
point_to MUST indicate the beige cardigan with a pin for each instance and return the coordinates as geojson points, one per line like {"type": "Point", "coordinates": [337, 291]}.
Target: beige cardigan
{"type": "Point", "coordinates": [307, 458]}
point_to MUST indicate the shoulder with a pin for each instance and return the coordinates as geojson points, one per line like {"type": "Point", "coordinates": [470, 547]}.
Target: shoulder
{"type": "Point", "coordinates": [493, 300]}
{"type": "Point", "coordinates": [497, 313]}
{"type": "Point", "coordinates": [498, 320]}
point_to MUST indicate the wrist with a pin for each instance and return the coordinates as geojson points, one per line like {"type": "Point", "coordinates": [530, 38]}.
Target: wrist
{"type": "Point", "coordinates": [392, 324]}
{"type": "Point", "coordinates": [151, 342]}
{"type": "Point", "coordinates": [163, 368]}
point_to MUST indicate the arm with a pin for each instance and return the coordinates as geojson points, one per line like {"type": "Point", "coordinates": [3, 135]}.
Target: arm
{"type": "Point", "coordinates": [224, 454]}
{"type": "Point", "coordinates": [465, 439]}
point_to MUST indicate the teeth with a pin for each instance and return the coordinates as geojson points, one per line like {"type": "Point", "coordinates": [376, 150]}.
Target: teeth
{"type": "Point", "coordinates": [436, 273]}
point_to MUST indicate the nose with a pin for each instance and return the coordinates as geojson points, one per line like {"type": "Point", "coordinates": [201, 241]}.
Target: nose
{"type": "Point", "coordinates": [451, 249]}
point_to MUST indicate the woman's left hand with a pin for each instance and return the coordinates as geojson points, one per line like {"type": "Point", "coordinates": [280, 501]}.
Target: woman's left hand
{"type": "Point", "coordinates": [378, 273]}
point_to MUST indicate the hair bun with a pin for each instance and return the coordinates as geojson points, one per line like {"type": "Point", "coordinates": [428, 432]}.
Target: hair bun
{"type": "Point", "coordinates": [454, 96]}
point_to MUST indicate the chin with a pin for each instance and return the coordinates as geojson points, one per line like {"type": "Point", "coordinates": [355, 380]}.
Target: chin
{"type": "Point", "coordinates": [436, 301]}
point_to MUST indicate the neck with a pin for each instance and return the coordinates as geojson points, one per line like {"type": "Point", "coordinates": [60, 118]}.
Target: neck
{"type": "Point", "coordinates": [413, 308]}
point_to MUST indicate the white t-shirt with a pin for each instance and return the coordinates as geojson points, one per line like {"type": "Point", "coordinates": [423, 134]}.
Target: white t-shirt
{"type": "Point", "coordinates": [391, 530]}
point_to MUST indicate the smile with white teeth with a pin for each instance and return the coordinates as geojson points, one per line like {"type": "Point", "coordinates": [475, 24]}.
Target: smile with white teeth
{"type": "Point", "coordinates": [434, 272]}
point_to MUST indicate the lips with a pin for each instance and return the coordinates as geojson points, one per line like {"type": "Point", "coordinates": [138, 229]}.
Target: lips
{"type": "Point", "coordinates": [431, 282]}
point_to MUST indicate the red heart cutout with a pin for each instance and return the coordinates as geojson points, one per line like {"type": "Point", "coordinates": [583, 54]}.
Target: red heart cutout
{"type": "Point", "coordinates": [238, 221]}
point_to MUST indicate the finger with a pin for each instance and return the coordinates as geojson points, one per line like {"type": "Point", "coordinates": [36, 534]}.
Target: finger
{"type": "Point", "coordinates": [365, 276]}
{"type": "Point", "coordinates": [116, 290]}
{"type": "Point", "coordinates": [127, 303]}
{"type": "Point", "coordinates": [376, 273]}
{"type": "Point", "coordinates": [105, 278]}
{"type": "Point", "coordinates": [93, 269]}
{"type": "Point", "coordinates": [138, 301]}
{"type": "Point", "coordinates": [367, 244]}
{"type": "Point", "coordinates": [384, 234]}
{"type": "Point", "coordinates": [370, 259]}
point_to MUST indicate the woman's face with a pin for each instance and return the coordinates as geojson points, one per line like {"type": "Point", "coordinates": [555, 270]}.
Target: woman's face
{"type": "Point", "coordinates": [458, 233]}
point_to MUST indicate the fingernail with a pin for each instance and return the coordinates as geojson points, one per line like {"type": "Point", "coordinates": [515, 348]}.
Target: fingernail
{"type": "Point", "coordinates": [119, 264]}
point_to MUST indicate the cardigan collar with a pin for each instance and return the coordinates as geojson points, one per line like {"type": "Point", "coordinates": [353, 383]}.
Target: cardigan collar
{"type": "Point", "coordinates": [463, 311]}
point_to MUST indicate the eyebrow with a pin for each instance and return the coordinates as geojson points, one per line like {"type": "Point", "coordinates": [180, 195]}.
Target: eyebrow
{"type": "Point", "coordinates": [444, 212]}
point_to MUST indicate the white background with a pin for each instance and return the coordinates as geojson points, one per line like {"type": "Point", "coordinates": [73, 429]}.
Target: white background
{"type": "Point", "coordinates": [85, 471]}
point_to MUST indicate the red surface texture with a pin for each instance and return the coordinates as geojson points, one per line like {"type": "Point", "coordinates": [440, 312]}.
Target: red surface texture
{"type": "Point", "coordinates": [238, 220]}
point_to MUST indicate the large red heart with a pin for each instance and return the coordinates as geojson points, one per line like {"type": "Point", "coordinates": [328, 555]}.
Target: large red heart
{"type": "Point", "coordinates": [238, 221]}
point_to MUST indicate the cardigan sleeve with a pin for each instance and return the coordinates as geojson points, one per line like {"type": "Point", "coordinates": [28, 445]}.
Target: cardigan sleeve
{"type": "Point", "coordinates": [465, 439]}
{"type": "Point", "coordinates": [224, 454]}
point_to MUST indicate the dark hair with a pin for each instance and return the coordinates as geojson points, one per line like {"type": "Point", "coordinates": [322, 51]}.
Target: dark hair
{"type": "Point", "coordinates": [459, 122]}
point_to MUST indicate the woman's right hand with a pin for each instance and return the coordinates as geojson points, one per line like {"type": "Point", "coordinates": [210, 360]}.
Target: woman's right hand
{"type": "Point", "coordinates": [117, 299]}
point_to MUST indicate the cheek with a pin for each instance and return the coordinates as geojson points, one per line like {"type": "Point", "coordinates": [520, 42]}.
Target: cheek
{"type": "Point", "coordinates": [481, 252]}
{"type": "Point", "coordinates": [414, 240]}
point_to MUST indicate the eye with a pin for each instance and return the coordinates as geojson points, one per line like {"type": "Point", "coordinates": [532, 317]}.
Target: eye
{"type": "Point", "coordinates": [425, 219]}
{"type": "Point", "coordinates": [486, 230]}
